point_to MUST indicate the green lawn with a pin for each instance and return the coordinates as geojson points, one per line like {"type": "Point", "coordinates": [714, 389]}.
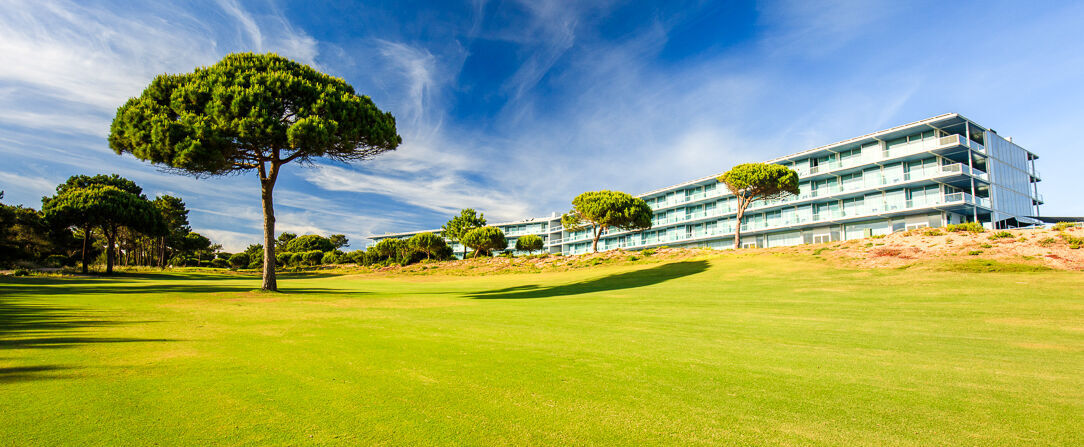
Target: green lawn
{"type": "Point", "coordinates": [735, 349]}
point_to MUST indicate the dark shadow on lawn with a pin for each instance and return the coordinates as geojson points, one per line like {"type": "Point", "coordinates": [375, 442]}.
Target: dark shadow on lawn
{"type": "Point", "coordinates": [628, 280]}
{"type": "Point", "coordinates": [120, 285]}
{"type": "Point", "coordinates": [39, 326]}
{"type": "Point", "coordinates": [23, 373]}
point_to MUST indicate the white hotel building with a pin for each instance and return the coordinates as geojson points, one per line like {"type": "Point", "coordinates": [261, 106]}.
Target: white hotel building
{"type": "Point", "coordinates": [942, 170]}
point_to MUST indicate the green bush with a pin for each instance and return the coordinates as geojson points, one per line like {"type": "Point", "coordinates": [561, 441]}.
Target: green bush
{"type": "Point", "coordinates": [647, 251]}
{"type": "Point", "coordinates": [986, 246]}
{"type": "Point", "coordinates": [970, 227]}
{"type": "Point", "coordinates": [282, 259]}
{"type": "Point", "coordinates": [313, 257]}
{"type": "Point", "coordinates": [56, 261]}
{"type": "Point", "coordinates": [1071, 240]}
{"type": "Point", "coordinates": [309, 242]}
{"type": "Point", "coordinates": [20, 272]}
{"type": "Point", "coordinates": [220, 263]}
{"type": "Point", "coordinates": [1064, 225]}
{"type": "Point", "coordinates": [296, 259]}
{"type": "Point", "coordinates": [975, 252]}
{"type": "Point", "coordinates": [1001, 235]}
{"type": "Point", "coordinates": [330, 258]}
{"type": "Point", "coordinates": [1046, 242]}
{"type": "Point", "coordinates": [933, 232]}
{"type": "Point", "coordinates": [239, 260]}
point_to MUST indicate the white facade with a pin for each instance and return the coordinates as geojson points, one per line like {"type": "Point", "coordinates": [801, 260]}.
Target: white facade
{"type": "Point", "coordinates": [945, 169]}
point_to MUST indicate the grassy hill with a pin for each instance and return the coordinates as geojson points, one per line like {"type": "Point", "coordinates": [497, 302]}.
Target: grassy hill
{"type": "Point", "coordinates": [779, 349]}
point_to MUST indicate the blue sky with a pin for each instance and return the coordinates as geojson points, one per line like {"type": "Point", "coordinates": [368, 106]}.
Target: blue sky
{"type": "Point", "coordinates": [515, 107]}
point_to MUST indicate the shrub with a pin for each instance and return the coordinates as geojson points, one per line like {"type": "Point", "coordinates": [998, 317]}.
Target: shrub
{"type": "Point", "coordinates": [239, 260]}
{"type": "Point", "coordinates": [1071, 240]}
{"type": "Point", "coordinates": [313, 257]}
{"type": "Point", "coordinates": [970, 227]}
{"type": "Point", "coordinates": [330, 258]}
{"type": "Point", "coordinates": [877, 236]}
{"type": "Point", "coordinates": [975, 252]}
{"type": "Point", "coordinates": [309, 242]}
{"type": "Point", "coordinates": [220, 263]}
{"type": "Point", "coordinates": [223, 256]}
{"type": "Point", "coordinates": [296, 259]}
{"type": "Point", "coordinates": [1001, 235]}
{"type": "Point", "coordinates": [282, 259]}
{"type": "Point", "coordinates": [1046, 242]}
{"type": "Point", "coordinates": [1065, 225]}
{"type": "Point", "coordinates": [933, 232]}
{"type": "Point", "coordinates": [56, 261]}
{"type": "Point", "coordinates": [20, 272]}
{"type": "Point", "coordinates": [986, 246]}
{"type": "Point", "coordinates": [647, 251]}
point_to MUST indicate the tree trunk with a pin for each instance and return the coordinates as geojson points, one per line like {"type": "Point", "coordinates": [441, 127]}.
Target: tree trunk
{"type": "Point", "coordinates": [111, 238]}
{"type": "Point", "coordinates": [267, 186]}
{"type": "Point", "coordinates": [737, 227]}
{"type": "Point", "coordinates": [594, 243]}
{"type": "Point", "coordinates": [86, 235]}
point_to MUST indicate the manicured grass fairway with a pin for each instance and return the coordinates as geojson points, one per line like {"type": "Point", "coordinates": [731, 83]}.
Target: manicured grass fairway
{"type": "Point", "coordinates": [733, 350]}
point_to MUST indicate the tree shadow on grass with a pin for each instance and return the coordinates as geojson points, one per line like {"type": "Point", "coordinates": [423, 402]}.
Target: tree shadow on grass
{"type": "Point", "coordinates": [141, 284]}
{"type": "Point", "coordinates": [36, 326]}
{"type": "Point", "coordinates": [628, 280]}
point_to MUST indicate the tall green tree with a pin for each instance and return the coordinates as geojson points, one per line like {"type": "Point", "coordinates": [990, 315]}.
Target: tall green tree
{"type": "Point", "coordinates": [106, 208]}
{"type": "Point", "coordinates": [427, 243]}
{"type": "Point", "coordinates": [757, 181]}
{"type": "Point", "coordinates": [467, 220]}
{"type": "Point", "coordinates": [86, 229]}
{"type": "Point", "coordinates": [599, 210]}
{"type": "Point", "coordinates": [282, 240]}
{"type": "Point", "coordinates": [251, 112]}
{"type": "Point", "coordinates": [198, 245]}
{"type": "Point", "coordinates": [485, 239]}
{"type": "Point", "coordinates": [529, 243]}
{"type": "Point", "coordinates": [338, 240]}
{"type": "Point", "coordinates": [175, 220]}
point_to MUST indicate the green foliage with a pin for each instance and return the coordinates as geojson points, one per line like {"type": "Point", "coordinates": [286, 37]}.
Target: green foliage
{"type": "Point", "coordinates": [758, 181]}
{"type": "Point", "coordinates": [249, 108]}
{"type": "Point", "coordinates": [427, 243]}
{"type": "Point", "coordinates": [1001, 235]}
{"type": "Point", "coordinates": [986, 246]}
{"type": "Point", "coordinates": [239, 260]}
{"type": "Point", "coordinates": [530, 243]}
{"type": "Point", "coordinates": [296, 259]}
{"type": "Point", "coordinates": [310, 242]}
{"type": "Point", "coordinates": [600, 210]}
{"type": "Point", "coordinates": [220, 263]}
{"type": "Point", "coordinates": [25, 236]}
{"type": "Point", "coordinates": [56, 261]}
{"type": "Point", "coordinates": [105, 207]}
{"type": "Point", "coordinates": [331, 257]}
{"type": "Point", "coordinates": [282, 240]}
{"type": "Point", "coordinates": [1074, 242]}
{"type": "Point", "coordinates": [338, 240]}
{"type": "Point", "coordinates": [970, 227]}
{"type": "Point", "coordinates": [975, 252]}
{"type": "Point", "coordinates": [933, 232]}
{"type": "Point", "coordinates": [467, 220]}
{"type": "Point", "coordinates": [251, 112]}
{"type": "Point", "coordinates": [1047, 241]}
{"type": "Point", "coordinates": [1060, 226]}
{"type": "Point", "coordinates": [282, 258]}
{"type": "Point", "coordinates": [484, 240]}
{"type": "Point", "coordinates": [647, 252]}
{"type": "Point", "coordinates": [313, 257]}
